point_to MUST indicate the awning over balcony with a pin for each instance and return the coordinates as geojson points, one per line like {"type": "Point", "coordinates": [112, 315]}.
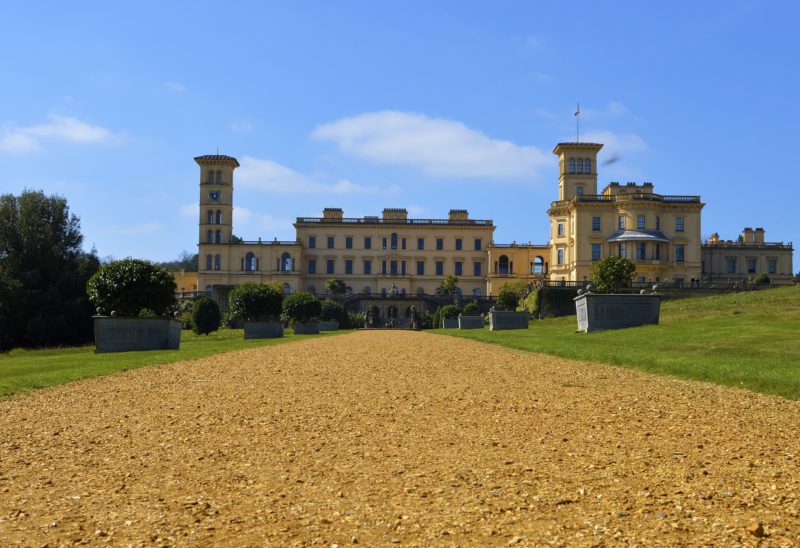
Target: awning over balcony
{"type": "Point", "coordinates": [638, 236]}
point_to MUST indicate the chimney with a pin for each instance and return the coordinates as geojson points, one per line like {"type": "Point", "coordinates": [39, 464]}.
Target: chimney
{"type": "Point", "coordinates": [747, 235]}
{"type": "Point", "coordinates": [758, 236]}
{"type": "Point", "coordinates": [458, 215]}
{"type": "Point", "coordinates": [714, 239]}
{"type": "Point", "coordinates": [395, 214]}
{"type": "Point", "coordinates": [333, 213]}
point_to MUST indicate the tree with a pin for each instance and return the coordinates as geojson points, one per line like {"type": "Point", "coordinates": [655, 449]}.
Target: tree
{"type": "Point", "coordinates": [186, 262]}
{"type": "Point", "coordinates": [335, 287]}
{"type": "Point", "coordinates": [611, 274]}
{"type": "Point", "coordinates": [43, 273]}
{"type": "Point", "coordinates": [301, 307]}
{"type": "Point", "coordinates": [507, 299]}
{"type": "Point", "coordinates": [447, 288]}
{"type": "Point", "coordinates": [129, 286]}
{"type": "Point", "coordinates": [205, 316]}
{"type": "Point", "coordinates": [253, 302]}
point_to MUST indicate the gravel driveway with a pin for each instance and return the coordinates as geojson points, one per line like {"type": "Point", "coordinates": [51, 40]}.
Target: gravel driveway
{"type": "Point", "coordinates": [407, 438]}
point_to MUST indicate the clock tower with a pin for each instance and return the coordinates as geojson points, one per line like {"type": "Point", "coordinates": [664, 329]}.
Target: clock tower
{"type": "Point", "coordinates": [216, 200]}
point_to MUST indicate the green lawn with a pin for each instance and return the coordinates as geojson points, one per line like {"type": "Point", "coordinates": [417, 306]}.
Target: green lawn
{"type": "Point", "coordinates": [26, 370]}
{"type": "Point", "coordinates": [750, 340]}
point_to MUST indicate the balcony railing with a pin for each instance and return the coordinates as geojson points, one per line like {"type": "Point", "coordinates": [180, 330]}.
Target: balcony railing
{"type": "Point", "coordinates": [376, 221]}
{"type": "Point", "coordinates": [750, 245]}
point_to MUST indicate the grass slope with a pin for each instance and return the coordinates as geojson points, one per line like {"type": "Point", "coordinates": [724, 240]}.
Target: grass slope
{"type": "Point", "coordinates": [26, 370]}
{"type": "Point", "coordinates": [749, 340]}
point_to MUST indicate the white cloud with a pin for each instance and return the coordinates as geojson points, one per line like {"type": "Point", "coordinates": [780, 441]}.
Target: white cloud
{"type": "Point", "coordinates": [271, 176]}
{"type": "Point", "coordinates": [438, 147]}
{"type": "Point", "coordinates": [174, 87]}
{"type": "Point", "coordinates": [17, 140]}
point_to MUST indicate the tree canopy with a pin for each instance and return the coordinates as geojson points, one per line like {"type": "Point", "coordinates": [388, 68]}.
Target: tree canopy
{"type": "Point", "coordinates": [611, 274]}
{"type": "Point", "coordinates": [447, 287]}
{"type": "Point", "coordinates": [43, 273]}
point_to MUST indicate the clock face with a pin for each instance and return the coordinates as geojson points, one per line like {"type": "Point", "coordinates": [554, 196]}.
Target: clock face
{"type": "Point", "coordinates": [214, 195]}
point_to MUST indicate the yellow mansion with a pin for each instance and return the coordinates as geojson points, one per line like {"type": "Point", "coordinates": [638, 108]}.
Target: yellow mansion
{"type": "Point", "coordinates": [374, 255]}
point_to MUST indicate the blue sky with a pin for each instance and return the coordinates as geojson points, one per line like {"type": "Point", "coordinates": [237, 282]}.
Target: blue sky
{"type": "Point", "coordinates": [423, 105]}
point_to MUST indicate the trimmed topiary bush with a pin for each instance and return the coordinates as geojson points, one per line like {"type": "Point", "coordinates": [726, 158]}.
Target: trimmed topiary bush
{"type": "Point", "coordinates": [205, 316]}
{"type": "Point", "coordinates": [471, 309]}
{"type": "Point", "coordinates": [128, 286]}
{"type": "Point", "coordinates": [253, 302]}
{"type": "Point", "coordinates": [507, 299]}
{"type": "Point", "coordinates": [331, 311]}
{"type": "Point", "coordinates": [301, 307]}
{"type": "Point", "coordinates": [611, 274]}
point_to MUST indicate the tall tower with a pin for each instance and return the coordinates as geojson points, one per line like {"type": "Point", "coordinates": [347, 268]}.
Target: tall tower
{"type": "Point", "coordinates": [577, 169]}
{"type": "Point", "coordinates": [216, 198]}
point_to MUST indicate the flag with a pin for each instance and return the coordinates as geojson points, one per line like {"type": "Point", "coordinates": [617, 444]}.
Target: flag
{"type": "Point", "coordinates": [577, 112]}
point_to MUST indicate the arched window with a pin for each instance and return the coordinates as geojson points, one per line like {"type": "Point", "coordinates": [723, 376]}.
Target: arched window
{"type": "Point", "coordinates": [476, 292]}
{"type": "Point", "coordinates": [218, 237]}
{"type": "Point", "coordinates": [587, 166]}
{"type": "Point", "coordinates": [209, 263]}
{"type": "Point", "coordinates": [394, 240]}
{"type": "Point", "coordinates": [217, 262]}
{"type": "Point", "coordinates": [503, 264]}
{"type": "Point", "coordinates": [250, 262]}
{"type": "Point", "coordinates": [210, 176]}
{"type": "Point", "coordinates": [219, 177]}
{"type": "Point", "coordinates": [210, 220]}
{"type": "Point", "coordinates": [580, 165]}
{"type": "Point", "coordinates": [538, 265]}
{"type": "Point", "coordinates": [219, 216]}
{"type": "Point", "coordinates": [312, 290]}
{"type": "Point", "coordinates": [286, 262]}
{"type": "Point", "coordinates": [572, 165]}
{"type": "Point", "coordinates": [287, 288]}
{"type": "Point", "coordinates": [210, 237]}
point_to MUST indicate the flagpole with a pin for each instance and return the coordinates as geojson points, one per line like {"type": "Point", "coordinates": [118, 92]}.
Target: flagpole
{"type": "Point", "coordinates": [578, 124]}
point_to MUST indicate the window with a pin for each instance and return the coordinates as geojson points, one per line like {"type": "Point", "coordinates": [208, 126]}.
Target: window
{"type": "Point", "coordinates": [219, 177]}
{"type": "Point", "coordinates": [210, 237]}
{"type": "Point", "coordinates": [367, 266]}
{"type": "Point", "coordinates": [286, 263]}
{"type": "Point", "coordinates": [383, 243]}
{"type": "Point", "coordinates": [640, 251]}
{"type": "Point", "coordinates": [217, 262]}
{"type": "Point", "coordinates": [476, 292]}
{"type": "Point", "coordinates": [383, 267]}
{"type": "Point", "coordinates": [731, 263]}
{"type": "Point", "coordinates": [439, 243]}
{"type": "Point", "coordinates": [622, 222]}
{"type": "Point", "coordinates": [312, 266]}
{"type": "Point", "coordinates": [679, 224]}
{"type": "Point", "coordinates": [596, 252]}
{"type": "Point", "coordinates": [210, 179]}
{"type": "Point", "coordinates": [394, 240]}
{"type": "Point", "coordinates": [623, 250]}
{"type": "Point", "coordinates": [572, 165]}
{"type": "Point", "coordinates": [219, 216]}
{"type": "Point", "coordinates": [367, 242]}
{"type": "Point", "coordinates": [640, 279]}
{"type": "Point", "coordinates": [348, 290]}
{"type": "Point", "coordinates": [420, 291]}
{"type": "Point", "coordinates": [751, 266]}
{"type": "Point", "coordinates": [208, 262]}
{"type": "Point", "coordinates": [218, 237]}
{"type": "Point", "coordinates": [459, 244]}
{"type": "Point", "coordinates": [587, 166]}
{"type": "Point", "coordinates": [330, 242]}
{"type": "Point", "coordinates": [403, 269]}
{"type": "Point", "coordinates": [560, 256]}
{"type": "Point", "coordinates": [287, 288]}
{"type": "Point", "coordinates": [478, 244]}
{"type": "Point", "coordinates": [595, 223]}
{"type": "Point", "coordinates": [579, 191]}
{"type": "Point", "coordinates": [329, 266]}
{"type": "Point", "coordinates": [658, 223]}
{"type": "Point", "coordinates": [580, 165]}
{"type": "Point", "coordinates": [348, 266]}
{"type": "Point", "coordinates": [367, 290]}
{"type": "Point", "coordinates": [476, 268]}
{"type": "Point", "coordinates": [440, 268]}
{"type": "Point", "coordinates": [420, 243]}
{"type": "Point", "coordinates": [657, 248]}
{"type": "Point", "coordinates": [680, 250]}
{"type": "Point", "coordinates": [348, 242]}
{"type": "Point", "coordinates": [312, 242]}
{"type": "Point", "coordinates": [393, 268]}
{"type": "Point", "coordinates": [420, 268]}
{"type": "Point", "coordinates": [503, 265]}
{"type": "Point", "coordinates": [210, 217]}
{"type": "Point", "coordinates": [772, 266]}
{"type": "Point", "coordinates": [640, 222]}
{"type": "Point", "coordinates": [538, 265]}
{"type": "Point", "coordinates": [560, 229]}
{"type": "Point", "coordinates": [250, 262]}
{"type": "Point", "coordinates": [459, 268]}
{"type": "Point", "coordinates": [403, 243]}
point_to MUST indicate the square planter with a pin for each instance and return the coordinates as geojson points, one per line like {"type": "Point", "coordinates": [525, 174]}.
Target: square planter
{"type": "Point", "coordinates": [602, 311]}
{"type": "Point", "coordinates": [263, 330]}
{"type": "Point", "coordinates": [450, 323]}
{"type": "Point", "coordinates": [506, 319]}
{"type": "Point", "coordinates": [306, 328]}
{"type": "Point", "coordinates": [329, 326]}
{"type": "Point", "coordinates": [113, 334]}
{"type": "Point", "coordinates": [470, 322]}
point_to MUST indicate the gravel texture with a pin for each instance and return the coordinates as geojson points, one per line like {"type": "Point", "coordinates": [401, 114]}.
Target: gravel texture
{"type": "Point", "coordinates": [408, 438]}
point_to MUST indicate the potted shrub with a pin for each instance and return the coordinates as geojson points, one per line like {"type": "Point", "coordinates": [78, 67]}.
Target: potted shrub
{"type": "Point", "coordinates": [259, 307]}
{"type": "Point", "coordinates": [302, 310]}
{"type": "Point", "coordinates": [137, 296]}
{"type": "Point", "coordinates": [449, 314]}
{"type": "Point", "coordinates": [504, 314]}
{"type": "Point", "coordinates": [330, 315]}
{"type": "Point", "coordinates": [471, 317]}
{"type": "Point", "coordinates": [602, 307]}
{"type": "Point", "coordinates": [205, 316]}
